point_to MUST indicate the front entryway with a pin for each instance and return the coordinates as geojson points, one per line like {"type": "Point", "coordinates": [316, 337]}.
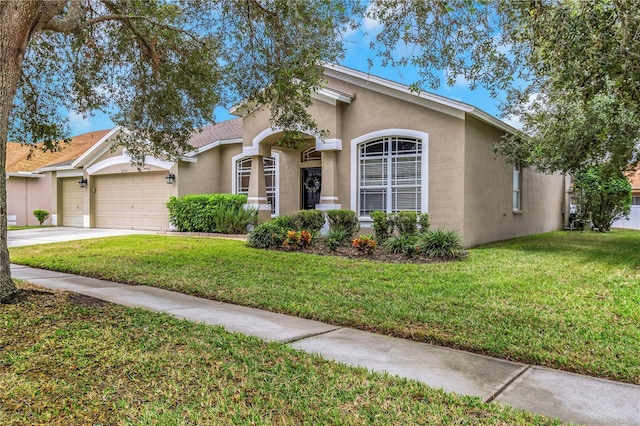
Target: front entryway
{"type": "Point", "coordinates": [311, 185]}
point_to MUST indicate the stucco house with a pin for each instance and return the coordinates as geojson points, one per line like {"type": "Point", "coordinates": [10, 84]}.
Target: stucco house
{"type": "Point", "coordinates": [633, 221]}
{"type": "Point", "coordinates": [27, 188]}
{"type": "Point", "coordinates": [387, 148]}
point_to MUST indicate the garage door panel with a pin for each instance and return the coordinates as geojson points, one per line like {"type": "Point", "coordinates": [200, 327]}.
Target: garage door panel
{"type": "Point", "coordinates": [136, 201]}
{"type": "Point", "coordinates": [72, 203]}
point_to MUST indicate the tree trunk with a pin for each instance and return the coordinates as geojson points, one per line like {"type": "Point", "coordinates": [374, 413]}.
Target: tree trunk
{"type": "Point", "coordinates": [20, 21]}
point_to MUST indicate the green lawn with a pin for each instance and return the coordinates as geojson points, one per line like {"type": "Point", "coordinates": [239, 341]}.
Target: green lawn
{"type": "Point", "coordinates": [563, 300]}
{"type": "Point", "coordinates": [67, 359]}
{"type": "Point", "coordinates": [18, 228]}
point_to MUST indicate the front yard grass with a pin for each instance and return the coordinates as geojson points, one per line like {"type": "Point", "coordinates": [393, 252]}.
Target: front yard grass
{"type": "Point", "coordinates": [564, 300]}
{"type": "Point", "coordinates": [68, 359]}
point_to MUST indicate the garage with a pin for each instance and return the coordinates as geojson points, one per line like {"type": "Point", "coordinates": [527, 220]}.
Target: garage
{"type": "Point", "coordinates": [132, 201]}
{"type": "Point", "coordinates": [72, 203]}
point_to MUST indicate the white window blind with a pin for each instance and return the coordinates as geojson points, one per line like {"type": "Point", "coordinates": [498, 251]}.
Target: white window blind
{"type": "Point", "coordinates": [390, 175]}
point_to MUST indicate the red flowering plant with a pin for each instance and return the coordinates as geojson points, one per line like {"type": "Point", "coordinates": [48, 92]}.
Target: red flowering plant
{"type": "Point", "coordinates": [297, 240]}
{"type": "Point", "coordinates": [365, 244]}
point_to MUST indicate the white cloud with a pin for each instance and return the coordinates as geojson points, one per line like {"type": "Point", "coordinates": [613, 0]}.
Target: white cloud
{"type": "Point", "coordinates": [79, 123]}
{"type": "Point", "coordinates": [371, 25]}
{"type": "Point", "coordinates": [514, 121]}
{"type": "Point", "coordinates": [461, 81]}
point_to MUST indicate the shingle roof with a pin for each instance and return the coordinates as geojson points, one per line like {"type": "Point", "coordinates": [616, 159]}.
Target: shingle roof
{"type": "Point", "coordinates": [17, 154]}
{"type": "Point", "coordinates": [225, 130]}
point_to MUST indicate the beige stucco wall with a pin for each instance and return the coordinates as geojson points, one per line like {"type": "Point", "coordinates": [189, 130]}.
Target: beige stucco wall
{"type": "Point", "coordinates": [488, 201]}
{"type": "Point", "coordinates": [211, 174]}
{"type": "Point", "coordinates": [369, 112]}
{"type": "Point", "coordinates": [469, 187]}
{"type": "Point", "coordinates": [24, 195]}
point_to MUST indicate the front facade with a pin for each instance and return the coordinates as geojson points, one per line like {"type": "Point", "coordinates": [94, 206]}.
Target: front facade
{"type": "Point", "coordinates": [390, 149]}
{"type": "Point", "coordinates": [386, 148]}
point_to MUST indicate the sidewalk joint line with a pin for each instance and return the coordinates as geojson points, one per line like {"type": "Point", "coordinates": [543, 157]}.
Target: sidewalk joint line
{"type": "Point", "coordinates": [308, 336]}
{"type": "Point", "coordinates": [506, 385]}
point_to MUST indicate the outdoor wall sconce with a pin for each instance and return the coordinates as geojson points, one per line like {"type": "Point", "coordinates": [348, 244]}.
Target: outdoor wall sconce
{"type": "Point", "coordinates": [83, 183]}
{"type": "Point", "coordinates": [170, 178]}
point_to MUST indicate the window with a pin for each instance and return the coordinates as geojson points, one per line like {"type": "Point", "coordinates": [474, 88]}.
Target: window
{"type": "Point", "coordinates": [389, 175]}
{"type": "Point", "coordinates": [243, 172]}
{"type": "Point", "coordinates": [517, 188]}
{"type": "Point", "coordinates": [635, 200]}
{"type": "Point", "coordinates": [310, 155]}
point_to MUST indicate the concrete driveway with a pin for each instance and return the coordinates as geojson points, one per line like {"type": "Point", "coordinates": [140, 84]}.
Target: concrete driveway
{"type": "Point", "coordinates": [55, 234]}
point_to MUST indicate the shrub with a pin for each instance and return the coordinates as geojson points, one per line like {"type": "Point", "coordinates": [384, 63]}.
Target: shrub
{"type": "Point", "coordinates": [311, 220]}
{"type": "Point", "coordinates": [297, 240]}
{"type": "Point", "coordinates": [423, 221]}
{"type": "Point", "coordinates": [285, 222]}
{"type": "Point", "coordinates": [41, 215]}
{"type": "Point", "coordinates": [343, 220]}
{"type": "Point", "coordinates": [267, 235]}
{"type": "Point", "coordinates": [204, 212]}
{"type": "Point", "coordinates": [605, 195]}
{"type": "Point", "coordinates": [406, 222]}
{"type": "Point", "coordinates": [439, 243]}
{"type": "Point", "coordinates": [336, 238]}
{"type": "Point", "coordinates": [234, 219]}
{"type": "Point", "coordinates": [365, 244]}
{"type": "Point", "coordinates": [405, 244]}
{"type": "Point", "coordinates": [382, 225]}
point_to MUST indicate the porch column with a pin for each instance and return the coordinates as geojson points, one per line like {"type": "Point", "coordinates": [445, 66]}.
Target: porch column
{"type": "Point", "coordinates": [329, 189]}
{"type": "Point", "coordinates": [257, 196]}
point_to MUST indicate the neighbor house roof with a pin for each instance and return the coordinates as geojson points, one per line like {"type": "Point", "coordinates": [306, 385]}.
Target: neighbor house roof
{"type": "Point", "coordinates": [18, 155]}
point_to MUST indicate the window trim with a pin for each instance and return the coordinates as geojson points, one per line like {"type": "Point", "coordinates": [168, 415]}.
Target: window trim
{"type": "Point", "coordinates": [306, 155]}
{"type": "Point", "coordinates": [516, 208]}
{"type": "Point", "coordinates": [234, 177]}
{"type": "Point", "coordinates": [423, 137]}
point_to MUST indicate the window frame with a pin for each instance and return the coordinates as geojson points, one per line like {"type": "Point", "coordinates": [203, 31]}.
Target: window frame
{"type": "Point", "coordinates": [273, 194]}
{"type": "Point", "coordinates": [421, 138]}
{"type": "Point", "coordinates": [516, 190]}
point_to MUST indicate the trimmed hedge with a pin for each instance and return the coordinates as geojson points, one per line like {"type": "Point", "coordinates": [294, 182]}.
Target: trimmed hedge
{"type": "Point", "coordinates": [217, 213]}
{"type": "Point", "coordinates": [343, 221]}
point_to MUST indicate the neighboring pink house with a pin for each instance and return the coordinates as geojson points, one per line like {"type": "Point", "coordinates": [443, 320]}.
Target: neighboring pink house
{"type": "Point", "coordinates": [633, 221]}
{"type": "Point", "coordinates": [28, 190]}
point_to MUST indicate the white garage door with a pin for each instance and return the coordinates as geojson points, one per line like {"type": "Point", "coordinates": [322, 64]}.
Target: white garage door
{"type": "Point", "coordinates": [132, 201]}
{"type": "Point", "coordinates": [72, 202]}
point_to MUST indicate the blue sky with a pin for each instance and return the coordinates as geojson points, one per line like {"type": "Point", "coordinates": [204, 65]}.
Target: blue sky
{"type": "Point", "coordinates": [357, 53]}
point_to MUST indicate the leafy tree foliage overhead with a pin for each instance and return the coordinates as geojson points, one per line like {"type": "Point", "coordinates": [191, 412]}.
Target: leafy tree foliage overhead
{"type": "Point", "coordinates": [161, 68]}
{"type": "Point", "coordinates": [158, 67]}
{"type": "Point", "coordinates": [571, 69]}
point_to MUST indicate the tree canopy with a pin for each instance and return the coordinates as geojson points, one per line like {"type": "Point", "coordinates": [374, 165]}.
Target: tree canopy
{"type": "Point", "coordinates": [159, 68]}
{"type": "Point", "coordinates": [570, 70]}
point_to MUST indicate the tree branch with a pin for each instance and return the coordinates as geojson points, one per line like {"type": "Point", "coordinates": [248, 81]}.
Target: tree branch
{"type": "Point", "coordinates": [73, 22]}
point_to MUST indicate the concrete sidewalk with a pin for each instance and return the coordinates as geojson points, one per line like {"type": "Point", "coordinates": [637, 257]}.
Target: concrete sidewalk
{"type": "Point", "coordinates": [566, 396]}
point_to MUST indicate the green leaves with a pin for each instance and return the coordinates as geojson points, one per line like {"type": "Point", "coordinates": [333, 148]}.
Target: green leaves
{"type": "Point", "coordinates": [570, 70]}
{"type": "Point", "coordinates": [161, 69]}
{"type": "Point", "coordinates": [605, 195]}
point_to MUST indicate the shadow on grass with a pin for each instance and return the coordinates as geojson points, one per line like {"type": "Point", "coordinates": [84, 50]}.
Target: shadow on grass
{"type": "Point", "coordinates": [617, 248]}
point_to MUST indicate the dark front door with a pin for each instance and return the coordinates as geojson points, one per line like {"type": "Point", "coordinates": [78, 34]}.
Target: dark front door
{"type": "Point", "coordinates": [311, 181]}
